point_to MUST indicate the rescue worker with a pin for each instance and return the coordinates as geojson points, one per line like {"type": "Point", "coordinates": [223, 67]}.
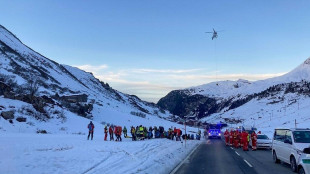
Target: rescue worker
{"type": "Point", "coordinates": [174, 133]}
{"type": "Point", "coordinates": [245, 141]}
{"type": "Point", "coordinates": [118, 133]}
{"type": "Point", "coordinates": [125, 132]}
{"type": "Point", "coordinates": [254, 140]}
{"type": "Point", "coordinates": [178, 135]}
{"type": "Point", "coordinates": [226, 135]}
{"type": "Point", "coordinates": [105, 133]}
{"type": "Point", "coordinates": [240, 139]}
{"type": "Point", "coordinates": [91, 128]}
{"type": "Point", "coordinates": [236, 141]}
{"type": "Point", "coordinates": [111, 133]}
{"type": "Point", "coordinates": [231, 140]}
{"type": "Point", "coordinates": [133, 133]}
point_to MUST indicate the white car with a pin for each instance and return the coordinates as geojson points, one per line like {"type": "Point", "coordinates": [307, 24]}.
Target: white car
{"type": "Point", "coordinates": [290, 146]}
{"type": "Point", "coordinates": [263, 141]}
{"type": "Point", "coordinates": [304, 162]}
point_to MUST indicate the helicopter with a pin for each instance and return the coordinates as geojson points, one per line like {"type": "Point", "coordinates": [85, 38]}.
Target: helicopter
{"type": "Point", "coordinates": [214, 33]}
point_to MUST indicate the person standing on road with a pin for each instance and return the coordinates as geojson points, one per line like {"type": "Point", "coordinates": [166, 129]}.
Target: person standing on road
{"type": "Point", "coordinates": [254, 140]}
{"type": "Point", "coordinates": [236, 141]}
{"type": "Point", "coordinates": [226, 135]}
{"type": "Point", "coordinates": [240, 139]}
{"type": "Point", "coordinates": [105, 133]}
{"type": "Point", "coordinates": [245, 141]}
{"type": "Point", "coordinates": [91, 128]}
{"type": "Point", "coordinates": [231, 138]}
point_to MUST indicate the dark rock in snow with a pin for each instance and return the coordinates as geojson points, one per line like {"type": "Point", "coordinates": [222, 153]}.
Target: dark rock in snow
{"type": "Point", "coordinates": [7, 114]}
{"type": "Point", "coordinates": [21, 119]}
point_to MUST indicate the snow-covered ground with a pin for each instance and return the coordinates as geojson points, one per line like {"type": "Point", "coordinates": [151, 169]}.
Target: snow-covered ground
{"type": "Point", "coordinates": [69, 153]}
{"type": "Point", "coordinates": [65, 148]}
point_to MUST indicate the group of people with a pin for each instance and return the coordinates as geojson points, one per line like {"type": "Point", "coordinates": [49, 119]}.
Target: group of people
{"type": "Point", "coordinates": [140, 133]}
{"type": "Point", "coordinates": [241, 139]}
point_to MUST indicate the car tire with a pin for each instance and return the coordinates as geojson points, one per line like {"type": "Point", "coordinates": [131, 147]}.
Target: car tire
{"type": "Point", "coordinates": [275, 158]}
{"type": "Point", "coordinates": [293, 164]}
{"type": "Point", "coordinates": [301, 171]}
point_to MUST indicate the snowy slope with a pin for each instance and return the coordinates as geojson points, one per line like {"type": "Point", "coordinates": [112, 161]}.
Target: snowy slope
{"type": "Point", "coordinates": [19, 65]}
{"type": "Point", "coordinates": [225, 89]}
{"type": "Point", "coordinates": [269, 113]}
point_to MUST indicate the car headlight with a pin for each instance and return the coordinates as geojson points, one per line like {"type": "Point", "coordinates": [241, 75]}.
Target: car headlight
{"type": "Point", "coordinates": [219, 133]}
{"type": "Point", "coordinates": [209, 133]}
{"type": "Point", "coordinates": [299, 152]}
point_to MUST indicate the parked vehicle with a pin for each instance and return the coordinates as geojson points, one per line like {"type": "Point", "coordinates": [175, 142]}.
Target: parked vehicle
{"type": "Point", "coordinates": [263, 142]}
{"type": "Point", "coordinates": [290, 146]}
{"type": "Point", "coordinates": [304, 162]}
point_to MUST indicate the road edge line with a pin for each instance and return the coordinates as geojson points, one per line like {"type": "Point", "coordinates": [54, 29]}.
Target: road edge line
{"type": "Point", "coordinates": [181, 163]}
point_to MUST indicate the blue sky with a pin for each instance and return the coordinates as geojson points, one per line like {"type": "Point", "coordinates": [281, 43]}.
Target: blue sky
{"type": "Point", "coordinates": [149, 48]}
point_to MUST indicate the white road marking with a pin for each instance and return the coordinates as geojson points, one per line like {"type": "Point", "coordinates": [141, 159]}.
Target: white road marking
{"type": "Point", "coordinates": [237, 153]}
{"type": "Point", "coordinates": [232, 148]}
{"type": "Point", "coordinates": [248, 163]}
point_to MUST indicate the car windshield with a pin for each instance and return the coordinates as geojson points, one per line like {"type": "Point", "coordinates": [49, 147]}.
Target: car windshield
{"type": "Point", "coordinates": [301, 136]}
{"type": "Point", "coordinates": [262, 137]}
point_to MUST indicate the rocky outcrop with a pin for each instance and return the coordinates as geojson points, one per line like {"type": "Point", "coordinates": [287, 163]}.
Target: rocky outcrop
{"type": "Point", "coordinates": [178, 102]}
{"type": "Point", "coordinates": [21, 119]}
{"type": "Point", "coordinates": [7, 115]}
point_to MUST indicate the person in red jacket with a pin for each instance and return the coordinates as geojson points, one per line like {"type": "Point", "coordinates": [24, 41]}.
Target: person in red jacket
{"type": "Point", "coordinates": [105, 133]}
{"type": "Point", "coordinates": [226, 135]}
{"type": "Point", "coordinates": [236, 139]}
{"type": "Point", "coordinates": [118, 133]}
{"type": "Point", "coordinates": [245, 141]}
{"type": "Point", "coordinates": [231, 140]}
{"type": "Point", "coordinates": [240, 138]}
{"type": "Point", "coordinates": [91, 128]}
{"type": "Point", "coordinates": [111, 133]}
{"type": "Point", "coordinates": [254, 140]}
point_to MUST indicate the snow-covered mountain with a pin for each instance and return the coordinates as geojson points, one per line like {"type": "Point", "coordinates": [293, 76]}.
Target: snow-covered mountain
{"type": "Point", "coordinates": [35, 87]}
{"type": "Point", "coordinates": [243, 101]}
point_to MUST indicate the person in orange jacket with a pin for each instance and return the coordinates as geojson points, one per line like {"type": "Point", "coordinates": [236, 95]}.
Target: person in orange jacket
{"type": "Point", "coordinates": [105, 133]}
{"type": "Point", "coordinates": [241, 139]}
{"type": "Point", "coordinates": [118, 133]}
{"type": "Point", "coordinates": [226, 135]}
{"type": "Point", "coordinates": [231, 140]}
{"type": "Point", "coordinates": [236, 138]}
{"type": "Point", "coordinates": [245, 141]}
{"type": "Point", "coordinates": [254, 140]}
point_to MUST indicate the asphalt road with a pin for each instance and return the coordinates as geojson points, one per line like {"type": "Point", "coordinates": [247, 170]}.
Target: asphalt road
{"type": "Point", "coordinates": [214, 157]}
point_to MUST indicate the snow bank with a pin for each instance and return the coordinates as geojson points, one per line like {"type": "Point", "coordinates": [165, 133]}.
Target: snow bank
{"type": "Point", "coordinates": [60, 153]}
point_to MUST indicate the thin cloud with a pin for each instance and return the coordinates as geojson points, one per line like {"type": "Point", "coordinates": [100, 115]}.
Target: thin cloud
{"type": "Point", "coordinates": [252, 77]}
{"type": "Point", "coordinates": [156, 83]}
{"type": "Point", "coordinates": [165, 71]}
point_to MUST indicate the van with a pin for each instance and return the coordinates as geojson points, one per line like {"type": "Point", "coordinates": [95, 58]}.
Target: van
{"type": "Point", "coordinates": [288, 145]}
